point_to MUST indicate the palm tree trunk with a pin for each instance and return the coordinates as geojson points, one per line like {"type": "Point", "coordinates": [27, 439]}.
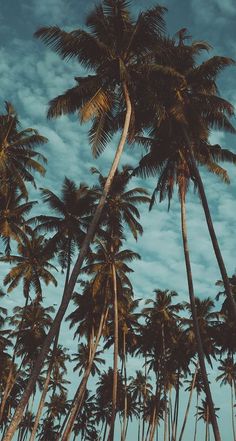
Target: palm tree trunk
{"type": "Point", "coordinates": [232, 411]}
{"type": "Point", "coordinates": [194, 317]}
{"type": "Point", "coordinates": [125, 422]}
{"type": "Point", "coordinates": [165, 417]}
{"type": "Point", "coordinates": [212, 233]}
{"type": "Point", "coordinates": [176, 407]}
{"type": "Point", "coordinates": [144, 396]}
{"type": "Point", "coordinates": [196, 420]}
{"type": "Point", "coordinates": [74, 275]}
{"type": "Point", "coordinates": [188, 405]}
{"type": "Point", "coordinates": [77, 402]}
{"type": "Point", "coordinates": [115, 357]}
{"type": "Point", "coordinates": [41, 403]}
{"type": "Point", "coordinates": [47, 381]}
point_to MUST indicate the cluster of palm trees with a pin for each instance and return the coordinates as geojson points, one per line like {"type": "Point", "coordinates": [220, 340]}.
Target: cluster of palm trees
{"type": "Point", "coordinates": [152, 90]}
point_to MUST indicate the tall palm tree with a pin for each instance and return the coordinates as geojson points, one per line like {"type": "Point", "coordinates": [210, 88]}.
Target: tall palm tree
{"type": "Point", "coordinates": [114, 61]}
{"type": "Point", "coordinates": [141, 390]}
{"type": "Point", "coordinates": [204, 414]}
{"type": "Point", "coordinates": [101, 266]}
{"type": "Point", "coordinates": [228, 376]}
{"type": "Point", "coordinates": [174, 167]}
{"type": "Point", "coordinates": [18, 157]}
{"type": "Point", "coordinates": [191, 109]}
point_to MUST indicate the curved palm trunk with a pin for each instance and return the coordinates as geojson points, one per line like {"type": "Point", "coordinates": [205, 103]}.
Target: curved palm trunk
{"type": "Point", "coordinates": [212, 233]}
{"type": "Point", "coordinates": [188, 405]}
{"type": "Point", "coordinates": [78, 400]}
{"type": "Point", "coordinates": [195, 320]}
{"type": "Point", "coordinates": [115, 358]}
{"type": "Point", "coordinates": [74, 275]}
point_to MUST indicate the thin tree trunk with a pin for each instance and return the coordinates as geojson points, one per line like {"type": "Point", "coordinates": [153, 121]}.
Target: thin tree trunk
{"type": "Point", "coordinates": [165, 417]}
{"type": "Point", "coordinates": [105, 432]}
{"type": "Point", "coordinates": [74, 275]}
{"type": "Point", "coordinates": [115, 357]}
{"type": "Point", "coordinates": [194, 317]}
{"type": "Point", "coordinates": [47, 381]}
{"type": "Point", "coordinates": [212, 233]}
{"type": "Point", "coordinates": [232, 411]}
{"type": "Point", "coordinates": [176, 408]}
{"type": "Point", "coordinates": [196, 420]}
{"type": "Point", "coordinates": [77, 403]}
{"type": "Point", "coordinates": [123, 434]}
{"type": "Point", "coordinates": [144, 396]}
{"type": "Point", "coordinates": [41, 403]}
{"type": "Point", "coordinates": [188, 405]}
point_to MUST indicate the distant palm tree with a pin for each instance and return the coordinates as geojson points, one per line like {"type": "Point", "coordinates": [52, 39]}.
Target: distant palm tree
{"type": "Point", "coordinates": [32, 265]}
{"type": "Point", "coordinates": [12, 217]}
{"type": "Point", "coordinates": [18, 157]}
{"type": "Point", "coordinates": [204, 414]}
{"type": "Point", "coordinates": [82, 357]}
{"type": "Point", "coordinates": [228, 376]}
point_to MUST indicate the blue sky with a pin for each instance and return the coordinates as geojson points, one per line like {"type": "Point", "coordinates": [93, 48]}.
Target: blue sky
{"type": "Point", "coordinates": [32, 74]}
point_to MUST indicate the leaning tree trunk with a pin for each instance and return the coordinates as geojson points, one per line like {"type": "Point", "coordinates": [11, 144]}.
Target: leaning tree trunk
{"type": "Point", "coordinates": [212, 233]}
{"type": "Point", "coordinates": [47, 381]}
{"type": "Point", "coordinates": [189, 402]}
{"type": "Point", "coordinates": [194, 317]}
{"type": "Point", "coordinates": [78, 400]}
{"type": "Point", "coordinates": [74, 275]}
{"type": "Point", "coordinates": [115, 357]}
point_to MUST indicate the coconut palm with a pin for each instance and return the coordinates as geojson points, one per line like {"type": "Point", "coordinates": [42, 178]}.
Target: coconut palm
{"type": "Point", "coordinates": [204, 414]}
{"type": "Point", "coordinates": [69, 223]}
{"type": "Point", "coordinates": [114, 61]}
{"type": "Point", "coordinates": [82, 357]}
{"type": "Point", "coordinates": [140, 389]}
{"type": "Point", "coordinates": [228, 376]}
{"type": "Point", "coordinates": [32, 265]}
{"type": "Point", "coordinates": [101, 266]}
{"type": "Point", "coordinates": [18, 157]}
{"type": "Point", "coordinates": [192, 108]}
{"type": "Point", "coordinates": [12, 217]}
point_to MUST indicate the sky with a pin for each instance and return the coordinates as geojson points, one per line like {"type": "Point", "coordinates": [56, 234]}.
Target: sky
{"type": "Point", "coordinates": [31, 75]}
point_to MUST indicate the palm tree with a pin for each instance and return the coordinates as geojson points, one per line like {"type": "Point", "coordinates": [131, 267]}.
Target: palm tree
{"type": "Point", "coordinates": [192, 109]}
{"type": "Point", "coordinates": [12, 217]}
{"type": "Point", "coordinates": [54, 379]}
{"type": "Point", "coordinates": [70, 221]}
{"type": "Point", "coordinates": [114, 61]}
{"type": "Point", "coordinates": [101, 267]}
{"type": "Point", "coordinates": [140, 389]}
{"type": "Point", "coordinates": [228, 376]}
{"type": "Point", "coordinates": [162, 321]}
{"type": "Point", "coordinates": [18, 157]}
{"type": "Point", "coordinates": [82, 357]}
{"type": "Point", "coordinates": [204, 414]}
{"type": "Point", "coordinates": [32, 265]}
